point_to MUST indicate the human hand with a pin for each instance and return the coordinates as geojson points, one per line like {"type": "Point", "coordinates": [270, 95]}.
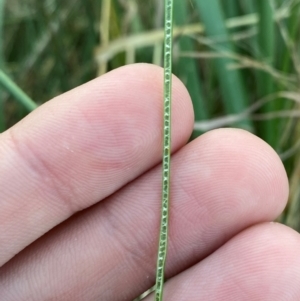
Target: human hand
{"type": "Point", "coordinates": [96, 148]}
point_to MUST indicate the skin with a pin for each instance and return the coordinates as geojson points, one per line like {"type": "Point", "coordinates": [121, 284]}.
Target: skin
{"type": "Point", "coordinates": [80, 182]}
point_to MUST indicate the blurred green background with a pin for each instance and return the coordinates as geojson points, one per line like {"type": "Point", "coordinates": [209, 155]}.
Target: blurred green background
{"type": "Point", "coordinates": [238, 58]}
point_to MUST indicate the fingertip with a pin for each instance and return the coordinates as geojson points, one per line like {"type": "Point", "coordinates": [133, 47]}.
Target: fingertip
{"type": "Point", "coordinates": [252, 160]}
{"type": "Point", "coordinates": [149, 77]}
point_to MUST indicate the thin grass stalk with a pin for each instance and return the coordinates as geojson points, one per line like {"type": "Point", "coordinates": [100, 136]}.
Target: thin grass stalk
{"type": "Point", "coordinates": [16, 92]}
{"type": "Point", "coordinates": [163, 236]}
{"type": "Point", "coordinates": [234, 95]}
{"type": "Point", "coordinates": [104, 30]}
{"type": "Point", "coordinates": [224, 121]}
{"type": "Point", "coordinates": [229, 119]}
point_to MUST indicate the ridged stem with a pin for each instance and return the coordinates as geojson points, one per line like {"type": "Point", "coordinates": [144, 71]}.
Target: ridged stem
{"type": "Point", "coordinates": [163, 236]}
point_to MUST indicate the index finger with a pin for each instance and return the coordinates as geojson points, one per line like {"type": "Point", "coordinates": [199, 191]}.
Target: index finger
{"type": "Point", "coordinates": [81, 147]}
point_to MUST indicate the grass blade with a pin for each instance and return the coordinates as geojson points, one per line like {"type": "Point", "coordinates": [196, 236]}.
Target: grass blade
{"type": "Point", "coordinates": [232, 87]}
{"type": "Point", "coordinates": [163, 236]}
{"type": "Point", "coordinates": [187, 67]}
{"type": "Point", "coordinates": [104, 30]}
{"type": "Point", "coordinates": [266, 42]}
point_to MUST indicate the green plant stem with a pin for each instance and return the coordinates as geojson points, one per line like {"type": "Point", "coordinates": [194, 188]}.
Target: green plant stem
{"type": "Point", "coordinates": [16, 92]}
{"type": "Point", "coordinates": [188, 68]}
{"type": "Point", "coordinates": [234, 95]}
{"type": "Point", "coordinates": [266, 42]}
{"type": "Point", "coordinates": [163, 236]}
